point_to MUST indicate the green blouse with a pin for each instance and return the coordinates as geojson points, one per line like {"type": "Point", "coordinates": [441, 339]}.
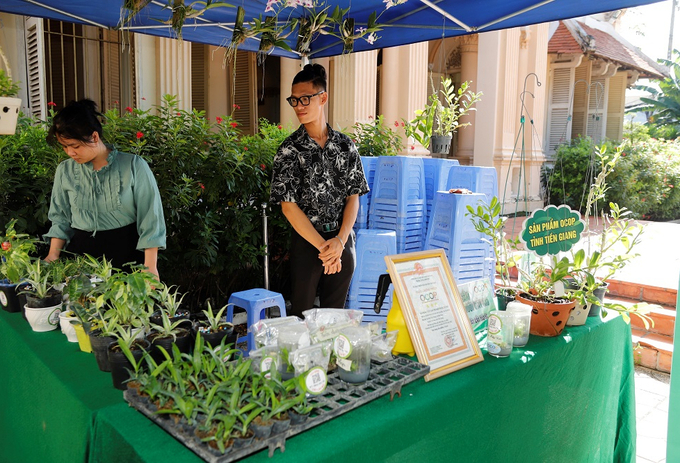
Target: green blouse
{"type": "Point", "coordinates": [122, 192]}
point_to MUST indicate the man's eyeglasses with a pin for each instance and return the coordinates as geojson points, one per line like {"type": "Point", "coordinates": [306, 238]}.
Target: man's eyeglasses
{"type": "Point", "coordinates": [304, 100]}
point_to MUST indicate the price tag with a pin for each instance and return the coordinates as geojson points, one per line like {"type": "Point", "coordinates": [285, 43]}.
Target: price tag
{"type": "Point", "coordinates": [316, 380]}
{"type": "Point", "coordinates": [342, 347]}
{"type": "Point", "coordinates": [345, 364]}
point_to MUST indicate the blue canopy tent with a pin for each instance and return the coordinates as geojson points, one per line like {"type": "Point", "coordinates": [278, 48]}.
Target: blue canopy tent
{"type": "Point", "coordinates": [409, 22]}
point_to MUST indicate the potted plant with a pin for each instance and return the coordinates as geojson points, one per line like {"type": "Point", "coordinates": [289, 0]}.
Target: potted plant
{"type": "Point", "coordinates": [43, 299]}
{"type": "Point", "coordinates": [81, 305]}
{"type": "Point", "coordinates": [169, 302]}
{"type": "Point", "coordinates": [9, 105]}
{"type": "Point", "coordinates": [102, 334]}
{"type": "Point", "coordinates": [127, 345]}
{"type": "Point", "coordinates": [611, 250]}
{"type": "Point", "coordinates": [167, 333]}
{"type": "Point", "coordinates": [215, 327]}
{"type": "Point", "coordinates": [550, 311]}
{"type": "Point", "coordinates": [487, 219]}
{"type": "Point", "coordinates": [436, 122]}
{"type": "Point", "coordinates": [15, 251]}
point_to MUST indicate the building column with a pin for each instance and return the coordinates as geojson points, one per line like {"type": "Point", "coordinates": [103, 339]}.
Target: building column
{"type": "Point", "coordinates": [174, 71]}
{"type": "Point", "coordinates": [353, 89]}
{"type": "Point", "coordinates": [468, 72]}
{"type": "Point", "coordinates": [147, 69]}
{"type": "Point", "coordinates": [289, 67]}
{"type": "Point", "coordinates": [403, 87]}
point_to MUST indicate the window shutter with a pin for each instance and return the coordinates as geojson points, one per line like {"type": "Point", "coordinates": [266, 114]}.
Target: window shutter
{"type": "Point", "coordinates": [245, 91]}
{"type": "Point", "coordinates": [597, 106]}
{"type": "Point", "coordinates": [36, 67]}
{"type": "Point", "coordinates": [616, 106]}
{"type": "Point", "coordinates": [111, 61]}
{"type": "Point", "coordinates": [580, 108]}
{"type": "Point", "coordinates": [559, 125]}
{"type": "Point", "coordinates": [198, 76]}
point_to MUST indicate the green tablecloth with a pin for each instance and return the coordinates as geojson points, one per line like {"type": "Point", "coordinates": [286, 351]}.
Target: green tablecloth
{"type": "Point", "coordinates": [569, 398]}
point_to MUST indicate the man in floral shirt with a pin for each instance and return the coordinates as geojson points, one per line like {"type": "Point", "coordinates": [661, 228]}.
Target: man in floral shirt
{"type": "Point", "coordinates": [318, 179]}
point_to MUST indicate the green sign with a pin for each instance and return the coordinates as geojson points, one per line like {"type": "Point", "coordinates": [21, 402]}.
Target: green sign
{"type": "Point", "coordinates": [552, 230]}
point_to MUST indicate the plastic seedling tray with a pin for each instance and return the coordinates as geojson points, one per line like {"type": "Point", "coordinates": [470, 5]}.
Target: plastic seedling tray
{"type": "Point", "coordinates": [338, 398]}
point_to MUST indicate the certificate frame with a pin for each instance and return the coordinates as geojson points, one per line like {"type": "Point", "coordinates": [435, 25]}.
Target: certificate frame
{"type": "Point", "coordinates": [437, 321]}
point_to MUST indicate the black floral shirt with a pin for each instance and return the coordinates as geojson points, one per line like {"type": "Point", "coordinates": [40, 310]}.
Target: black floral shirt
{"type": "Point", "coordinates": [317, 179]}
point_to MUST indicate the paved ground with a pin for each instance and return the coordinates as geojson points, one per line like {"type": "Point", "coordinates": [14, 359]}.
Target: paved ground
{"type": "Point", "coordinates": [651, 409]}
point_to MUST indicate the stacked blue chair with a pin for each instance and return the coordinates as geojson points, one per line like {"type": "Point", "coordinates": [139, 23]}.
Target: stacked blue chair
{"type": "Point", "coordinates": [254, 302]}
{"type": "Point", "coordinates": [467, 249]}
{"type": "Point", "coordinates": [372, 247]}
{"type": "Point", "coordinates": [368, 163]}
{"type": "Point", "coordinates": [398, 202]}
{"type": "Point", "coordinates": [479, 180]}
{"type": "Point", "coordinates": [436, 178]}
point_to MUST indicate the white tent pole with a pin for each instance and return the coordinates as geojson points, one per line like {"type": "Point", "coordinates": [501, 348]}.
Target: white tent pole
{"type": "Point", "coordinates": [529, 8]}
{"type": "Point", "coordinates": [66, 14]}
{"type": "Point", "coordinates": [447, 15]}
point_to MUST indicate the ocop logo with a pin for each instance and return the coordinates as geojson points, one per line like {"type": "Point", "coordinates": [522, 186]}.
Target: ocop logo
{"type": "Point", "coordinates": [427, 297]}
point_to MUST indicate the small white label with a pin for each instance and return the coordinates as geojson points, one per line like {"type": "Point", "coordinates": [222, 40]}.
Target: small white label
{"type": "Point", "coordinates": [53, 319]}
{"type": "Point", "coordinates": [342, 347]}
{"type": "Point", "coordinates": [316, 380]}
{"type": "Point", "coordinates": [345, 364]}
{"type": "Point", "coordinates": [495, 324]}
{"type": "Point", "coordinates": [3, 298]}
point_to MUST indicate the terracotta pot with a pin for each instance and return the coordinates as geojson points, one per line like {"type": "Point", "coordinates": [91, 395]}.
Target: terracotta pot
{"type": "Point", "coordinates": [547, 318]}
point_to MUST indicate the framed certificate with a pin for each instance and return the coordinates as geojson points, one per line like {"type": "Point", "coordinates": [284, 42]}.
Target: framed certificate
{"type": "Point", "coordinates": [436, 318]}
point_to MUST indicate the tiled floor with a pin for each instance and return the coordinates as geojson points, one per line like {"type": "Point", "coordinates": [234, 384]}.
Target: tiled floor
{"type": "Point", "coordinates": [651, 408]}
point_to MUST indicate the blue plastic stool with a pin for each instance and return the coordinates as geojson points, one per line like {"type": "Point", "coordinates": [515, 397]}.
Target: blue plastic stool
{"type": "Point", "coordinates": [254, 301]}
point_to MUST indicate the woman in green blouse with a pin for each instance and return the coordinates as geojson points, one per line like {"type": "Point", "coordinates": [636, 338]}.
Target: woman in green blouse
{"type": "Point", "coordinates": [104, 202]}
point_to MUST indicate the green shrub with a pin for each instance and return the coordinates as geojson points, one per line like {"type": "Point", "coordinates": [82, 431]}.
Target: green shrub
{"type": "Point", "coordinates": [213, 185]}
{"type": "Point", "coordinates": [566, 181]}
{"type": "Point", "coordinates": [376, 139]}
{"type": "Point", "coordinates": [27, 165]}
{"type": "Point", "coordinates": [644, 180]}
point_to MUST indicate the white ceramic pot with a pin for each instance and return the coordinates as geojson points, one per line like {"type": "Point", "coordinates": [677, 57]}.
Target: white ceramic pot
{"type": "Point", "coordinates": [9, 113]}
{"type": "Point", "coordinates": [579, 315]}
{"type": "Point", "coordinates": [67, 327]}
{"type": "Point", "coordinates": [45, 319]}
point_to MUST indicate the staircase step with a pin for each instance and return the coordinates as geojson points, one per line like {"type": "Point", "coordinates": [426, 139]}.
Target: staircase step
{"type": "Point", "coordinates": [639, 292]}
{"type": "Point", "coordinates": [664, 321]}
{"type": "Point", "coordinates": [652, 350]}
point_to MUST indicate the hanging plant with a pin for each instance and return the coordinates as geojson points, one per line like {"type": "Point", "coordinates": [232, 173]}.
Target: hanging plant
{"type": "Point", "coordinates": [273, 36]}
{"type": "Point", "coordinates": [310, 26]}
{"type": "Point", "coordinates": [180, 11]}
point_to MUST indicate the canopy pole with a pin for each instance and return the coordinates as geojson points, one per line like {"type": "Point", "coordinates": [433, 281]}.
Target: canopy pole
{"type": "Point", "coordinates": [448, 15]}
{"type": "Point", "coordinates": [87, 21]}
{"type": "Point", "coordinates": [265, 236]}
{"type": "Point", "coordinates": [516, 13]}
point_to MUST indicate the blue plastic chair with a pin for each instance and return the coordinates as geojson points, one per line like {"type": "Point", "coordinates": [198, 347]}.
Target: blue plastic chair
{"type": "Point", "coordinates": [254, 302]}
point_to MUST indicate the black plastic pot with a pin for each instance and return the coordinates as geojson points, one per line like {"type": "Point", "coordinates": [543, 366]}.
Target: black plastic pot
{"type": "Point", "coordinates": [53, 298]}
{"type": "Point", "coordinates": [261, 431]}
{"type": "Point", "coordinates": [280, 426]}
{"type": "Point", "coordinates": [120, 365]}
{"type": "Point", "coordinates": [214, 339]}
{"type": "Point", "coordinates": [100, 347]}
{"type": "Point", "coordinates": [9, 300]}
{"type": "Point", "coordinates": [183, 342]}
{"type": "Point", "coordinates": [596, 310]}
{"type": "Point", "coordinates": [156, 318]}
{"type": "Point", "coordinates": [297, 418]}
{"type": "Point", "coordinates": [502, 297]}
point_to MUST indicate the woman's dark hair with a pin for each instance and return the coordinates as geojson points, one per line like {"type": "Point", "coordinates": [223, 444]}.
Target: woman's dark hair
{"type": "Point", "coordinates": [314, 73]}
{"type": "Point", "coordinates": [78, 120]}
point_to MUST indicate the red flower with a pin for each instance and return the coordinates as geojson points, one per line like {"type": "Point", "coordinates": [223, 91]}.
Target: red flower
{"type": "Point", "coordinates": [670, 185]}
{"type": "Point", "coordinates": [279, 127]}
{"type": "Point", "coordinates": [413, 148]}
{"type": "Point", "coordinates": [202, 186]}
{"type": "Point", "coordinates": [218, 119]}
{"type": "Point", "coordinates": [236, 106]}
{"type": "Point", "coordinates": [115, 102]}
{"type": "Point", "coordinates": [51, 103]}
{"type": "Point", "coordinates": [643, 200]}
{"type": "Point", "coordinates": [263, 167]}
{"type": "Point", "coordinates": [128, 109]}
{"type": "Point", "coordinates": [234, 124]}
{"type": "Point", "coordinates": [6, 246]}
{"type": "Point", "coordinates": [245, 148]}
{"type": "Point", "coordinates": [402, 124]}
{"type": "Point", "coordinates": [139, 135]}
{"type": "Point", "coordinates": [396, 123]}
{"type": "Point", "coordinates": [179, 113]}
{"type": "Point", "coordinates": [143, 99]}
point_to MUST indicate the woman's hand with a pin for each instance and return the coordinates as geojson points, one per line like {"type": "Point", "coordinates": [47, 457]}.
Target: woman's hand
{"type": "Point", "coordinates": [332, 267]}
